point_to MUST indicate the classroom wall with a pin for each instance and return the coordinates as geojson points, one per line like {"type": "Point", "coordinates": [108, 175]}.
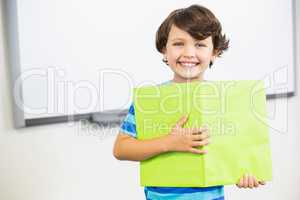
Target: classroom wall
{"type": "Point", "coordinates": [74, 161]}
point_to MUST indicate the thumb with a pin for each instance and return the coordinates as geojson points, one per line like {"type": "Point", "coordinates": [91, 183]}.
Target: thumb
{"type": "Point", "coordinates": [181, 121]}
{"type": "Point", "coordinates": [262, 182]}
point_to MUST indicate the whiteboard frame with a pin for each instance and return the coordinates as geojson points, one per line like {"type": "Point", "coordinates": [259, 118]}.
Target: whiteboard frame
{"type": "Point", "coordinates": [107, 118]}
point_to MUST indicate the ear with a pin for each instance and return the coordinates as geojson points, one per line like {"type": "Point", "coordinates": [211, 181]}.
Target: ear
{"type": "Point", "coordinates": [164, 52]}
{"type": "Point", "coordinates": [215, 55]}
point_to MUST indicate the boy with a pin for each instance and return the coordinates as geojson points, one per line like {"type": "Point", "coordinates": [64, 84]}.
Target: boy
{"type": "Point", "coordinates": [190, 40]}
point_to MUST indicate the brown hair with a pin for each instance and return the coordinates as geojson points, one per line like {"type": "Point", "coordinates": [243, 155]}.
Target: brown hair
{"type": "Point", "coordinates": [199, 22]}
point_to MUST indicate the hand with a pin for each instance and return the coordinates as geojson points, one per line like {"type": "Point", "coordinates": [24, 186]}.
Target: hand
{"type": "Point", "coordinates": [249, 181]}
{"type": "Point", "coordinates": [187, 139]}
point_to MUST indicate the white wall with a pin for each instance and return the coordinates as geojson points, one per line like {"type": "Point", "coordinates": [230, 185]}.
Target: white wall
{"type": "Point", "coordinates": [62, 161]}
{"type": "Point", "coordinates": [68, 42]}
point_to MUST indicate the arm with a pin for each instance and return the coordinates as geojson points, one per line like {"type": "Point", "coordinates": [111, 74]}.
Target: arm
{"type": "Point", "coordinates": [129, 148]}
{"type": "Point", "coordinates": [179, 139]}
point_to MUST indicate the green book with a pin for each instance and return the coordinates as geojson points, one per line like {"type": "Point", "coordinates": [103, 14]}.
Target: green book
{"type": "Point", "coordinates": [235, 113]}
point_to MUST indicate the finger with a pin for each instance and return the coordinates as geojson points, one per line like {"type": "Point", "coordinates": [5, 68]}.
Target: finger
{"type": "Point", "coordinates": [181, 121]}
{"type": "Point", "coordinates": [262, 182]}
{"type": "Point", "coordinates": [240, 184]}
{"type": "Point", "coordinates": [256, 184]}
{"type": "Point", "coordinates": [202, 136]}
{"type": "Point", "coordinates": [251, 181]}
{"type": "Point", "coordinates": [197, 151]}
{"type": "Point", "coordinates": [190, 131]}
{"type": "Point", "coordinates": [245, 182]}
{"type": "Point", "coordinates": [194, 131]}
{"type": "Point", "coordinates": [199, 130]}
{"type": "Point", "coordinates": [200, 143]}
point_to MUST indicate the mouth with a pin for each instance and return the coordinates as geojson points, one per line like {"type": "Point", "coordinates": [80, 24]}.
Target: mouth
{"type": "Point", "coordinates": [188, 64]}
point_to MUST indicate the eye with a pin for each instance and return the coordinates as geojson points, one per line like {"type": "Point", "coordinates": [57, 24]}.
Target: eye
{"type": "Point", "coordinates": [178, 44]}
{"type": "Point", "coordinates": [200, 45]}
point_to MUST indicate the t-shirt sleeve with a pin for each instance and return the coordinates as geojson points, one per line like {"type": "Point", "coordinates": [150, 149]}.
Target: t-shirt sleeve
{"type": "Point", "coordinates": [128, 126]}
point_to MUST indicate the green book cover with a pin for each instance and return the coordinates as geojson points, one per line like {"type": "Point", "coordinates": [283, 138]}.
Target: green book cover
{"type": "Point", "coordinates": [235, 113]}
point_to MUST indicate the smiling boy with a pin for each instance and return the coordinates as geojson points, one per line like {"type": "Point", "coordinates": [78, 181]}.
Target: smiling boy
{"type": "Point", "coordinates": [190, 39]}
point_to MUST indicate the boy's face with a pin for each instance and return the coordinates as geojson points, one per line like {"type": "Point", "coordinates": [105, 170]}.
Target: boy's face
{"type": "Point", "coordinates": [186, 56]}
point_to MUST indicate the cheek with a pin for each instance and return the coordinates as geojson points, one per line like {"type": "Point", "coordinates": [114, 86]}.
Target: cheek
{"type": "Point", "coordinates": [174, 58]}
{"type": "Point", "coordinates": [173, 55]}
{"type": "Point", "coordinates": [204, 56]}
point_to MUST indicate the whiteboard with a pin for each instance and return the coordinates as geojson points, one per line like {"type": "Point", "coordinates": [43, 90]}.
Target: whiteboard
{"type": "Point", "coordinates": [74, 57]}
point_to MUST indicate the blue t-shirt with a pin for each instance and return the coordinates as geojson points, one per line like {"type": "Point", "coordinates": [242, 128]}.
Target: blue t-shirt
{"type": "Point", "coordinates": [171, 193]}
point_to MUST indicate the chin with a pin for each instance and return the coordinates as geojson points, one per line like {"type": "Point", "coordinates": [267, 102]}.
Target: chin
{"type": "Point", "coordinates": [190, 75]}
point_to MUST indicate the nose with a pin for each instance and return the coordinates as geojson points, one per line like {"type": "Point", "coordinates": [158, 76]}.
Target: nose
{"type": "Point", "coordinates": [189, 51]}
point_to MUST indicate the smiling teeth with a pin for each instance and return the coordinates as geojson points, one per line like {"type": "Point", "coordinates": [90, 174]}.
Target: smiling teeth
{"type": "Point", "coordinates": [188, 64]}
